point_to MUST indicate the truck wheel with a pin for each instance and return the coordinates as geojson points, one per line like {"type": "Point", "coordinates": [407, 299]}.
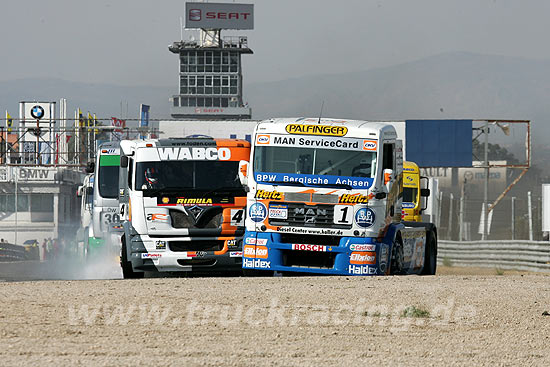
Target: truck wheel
{"type": "Point", "coordinates": [127, 270]}
{"type": "Point", "coordinates": [430, 255]}
{"type": "Point", "coordinates": [397, 258]}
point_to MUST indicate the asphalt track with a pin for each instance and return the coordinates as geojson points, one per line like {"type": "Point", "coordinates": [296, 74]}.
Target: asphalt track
{"type": "Point", "coordinates": [459, 317]}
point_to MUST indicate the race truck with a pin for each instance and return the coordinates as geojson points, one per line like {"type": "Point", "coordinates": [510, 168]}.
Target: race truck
{"type": "Point", "coordinates": [415, 193]}
{"type": "Point", "coordinates": [105, 217]}
{"type": "Point", "coordinates": [325, 197]}
{"type": "Point", "coordinates": [183, 205]}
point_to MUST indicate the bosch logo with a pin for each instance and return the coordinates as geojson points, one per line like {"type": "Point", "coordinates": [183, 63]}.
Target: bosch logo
{"type": "Point", "coordinates": [263, 139]}
{"type": "Point", "coordinates": [37, 112]}
{"type": "Point", "coordinates": [195, 14]}
{"type": "Point", "coordinates": [365, 217]}
{"type": "Point", "coordinates": [369, 144]}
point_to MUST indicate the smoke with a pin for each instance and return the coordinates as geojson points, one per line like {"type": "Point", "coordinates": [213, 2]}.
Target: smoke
{"type": "Point", "coordinates": [67, 259]}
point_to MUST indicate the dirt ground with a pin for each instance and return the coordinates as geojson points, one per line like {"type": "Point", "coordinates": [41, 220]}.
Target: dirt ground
{"type": "Point", "coordinates": [448, 319]}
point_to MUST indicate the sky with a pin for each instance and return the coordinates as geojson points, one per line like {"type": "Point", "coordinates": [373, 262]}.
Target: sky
{"type": "Point", "coordinates": [125, 42]}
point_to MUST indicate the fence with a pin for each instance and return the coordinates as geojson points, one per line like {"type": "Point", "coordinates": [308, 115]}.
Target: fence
{"type": "Point", "coordinates": [511, 255]}
{"type": "Point", "coordinates": [9, 252]}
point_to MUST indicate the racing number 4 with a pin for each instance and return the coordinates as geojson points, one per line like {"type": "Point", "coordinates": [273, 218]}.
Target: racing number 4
{"type": "Point", "coordinates": [237, 217]}
{"type": "Point", "coordinates": [343, 214]}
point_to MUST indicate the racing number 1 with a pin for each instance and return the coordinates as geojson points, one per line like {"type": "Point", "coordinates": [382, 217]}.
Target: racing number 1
{"type": "Point", "coordinates": [237, 217]}
{"type": "Point", "coordinates": [342, 214]}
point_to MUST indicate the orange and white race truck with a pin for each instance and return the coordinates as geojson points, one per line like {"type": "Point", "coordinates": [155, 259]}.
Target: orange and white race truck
{"type": "Point", "coordinates": [182, 205]}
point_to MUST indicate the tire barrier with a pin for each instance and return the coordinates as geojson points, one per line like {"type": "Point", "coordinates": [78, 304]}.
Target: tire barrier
{"type": "Point", "coordinates": [9, 252]}
{"type": "Point", "coordinates": [507, 255]}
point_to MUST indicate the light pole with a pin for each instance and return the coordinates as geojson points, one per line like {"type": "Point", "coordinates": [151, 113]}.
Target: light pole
{"type": "Point", "coordinates": [15, 174]}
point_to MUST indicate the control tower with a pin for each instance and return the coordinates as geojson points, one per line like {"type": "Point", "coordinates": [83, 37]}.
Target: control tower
{"type": "Point", "coordinates": [210, 72]}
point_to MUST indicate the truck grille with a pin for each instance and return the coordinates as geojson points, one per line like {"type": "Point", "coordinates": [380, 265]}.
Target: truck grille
{"type": "Point", "coordinates": [208, 218]}
{"type": "Point", "coordinates": [301, 215]}
{"type": "Point", "coordinates": [310, 239]}
{"type": "Point", "coordinates": [308, 259]}
{"type": "Point", "coordinates": [182, 246]}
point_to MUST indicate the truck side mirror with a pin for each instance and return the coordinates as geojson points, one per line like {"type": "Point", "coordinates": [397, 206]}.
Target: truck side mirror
{"type": "Point", "coordinates": [79, 191]}
{"type": "Point", "coordinates": [424, 192]}
{"type": "Point", "coordinates": [123, 161]}
{"type": "Point", "coordinates": [90, 167]}
{"type": "Point", "coordinates": [380, 195]}
{"type": "Point", "coordinates": [388, 173]}
{"type": "Point", "coordinates": [243, 173]}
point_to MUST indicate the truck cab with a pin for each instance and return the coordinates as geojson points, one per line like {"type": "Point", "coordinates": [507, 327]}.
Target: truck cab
{"type": "Point", "coordinates": [105, 201]}
{"type": "Point", "coordinates": [325, 197]}
{"type": "Point", "coordinates": [182, 204]}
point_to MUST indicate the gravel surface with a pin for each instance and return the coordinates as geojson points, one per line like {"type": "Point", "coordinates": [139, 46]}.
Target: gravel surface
{"type": "Point", "coordinates": [481, 320]}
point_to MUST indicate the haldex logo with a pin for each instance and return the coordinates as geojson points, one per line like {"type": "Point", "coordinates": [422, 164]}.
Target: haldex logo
{"type": "Point", "coordinates": [195, 15]}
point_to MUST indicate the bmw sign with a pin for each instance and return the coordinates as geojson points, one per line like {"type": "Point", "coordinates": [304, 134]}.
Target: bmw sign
{"type": "Point", "coordinates": [37, 112]}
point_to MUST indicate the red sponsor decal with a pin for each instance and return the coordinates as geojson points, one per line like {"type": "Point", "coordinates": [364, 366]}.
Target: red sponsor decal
{"type": "Point", "coordinates": [308, 247]}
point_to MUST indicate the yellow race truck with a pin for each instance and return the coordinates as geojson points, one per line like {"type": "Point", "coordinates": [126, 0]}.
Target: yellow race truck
{"type": "Point", "coordinates": [415, 193]}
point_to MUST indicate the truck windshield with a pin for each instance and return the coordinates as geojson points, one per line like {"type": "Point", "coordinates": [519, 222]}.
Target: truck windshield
{"type": "Point", "coordinates": [173, 175]}
{"type": "Point", "coordinates": [409, 195]}
{"type": "Point", "coordinates": [314, 161]}
{"type": "Point", "coordinates": [108, 176]}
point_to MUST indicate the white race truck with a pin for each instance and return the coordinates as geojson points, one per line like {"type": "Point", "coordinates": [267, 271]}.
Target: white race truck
{"type": "Point", "coordinates": [105, 217]}
{"type": "Point", "coordinates": [325, 197]}
{"type": "Point", "coordinates": [182, 204]}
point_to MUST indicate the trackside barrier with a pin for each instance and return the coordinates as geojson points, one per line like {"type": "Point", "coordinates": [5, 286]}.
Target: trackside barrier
{"type": "Point", "coordinates": [9, 252]}
{"type": "Point", "coordinates": [511, 255]}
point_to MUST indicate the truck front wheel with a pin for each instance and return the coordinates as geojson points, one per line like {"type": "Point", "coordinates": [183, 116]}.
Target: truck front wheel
{"type": "Point", "coordinates": [127, 269]}
{"type": "Point", "coordinates": [430, 255]}
{"type": "Point", "coordinates": [397, 259]}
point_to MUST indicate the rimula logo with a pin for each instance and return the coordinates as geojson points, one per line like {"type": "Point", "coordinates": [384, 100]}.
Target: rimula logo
{"type": "Point", "coordinates": [203, 201]}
